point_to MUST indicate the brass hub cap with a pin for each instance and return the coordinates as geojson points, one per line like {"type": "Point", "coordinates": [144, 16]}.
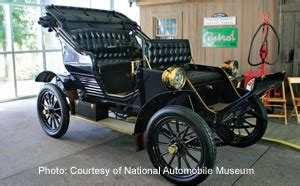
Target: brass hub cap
{"type": "Point", "coordinates": [173, 149]}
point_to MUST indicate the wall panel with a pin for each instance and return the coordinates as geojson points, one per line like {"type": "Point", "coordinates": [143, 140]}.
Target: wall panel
{"type": "Point", "coordinates": [249, 17]}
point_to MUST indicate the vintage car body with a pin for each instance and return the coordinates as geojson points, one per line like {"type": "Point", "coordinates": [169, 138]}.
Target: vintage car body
{"type": "Point", "coordinates": [120, 77]}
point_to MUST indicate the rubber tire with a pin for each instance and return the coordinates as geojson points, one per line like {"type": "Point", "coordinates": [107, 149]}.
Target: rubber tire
{"type": "Point", "coordinates": [226, 135]}
{"type": "Point", "coordinates": [198, 124]}
{"type": "Point", "coordinates": [64, 110]}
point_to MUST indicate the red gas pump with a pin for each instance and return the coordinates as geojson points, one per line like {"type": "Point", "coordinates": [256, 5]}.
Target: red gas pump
{"type": "Point", "coordinates": [263, 53]}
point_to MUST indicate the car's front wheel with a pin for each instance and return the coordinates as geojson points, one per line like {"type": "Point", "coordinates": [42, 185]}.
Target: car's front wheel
{"type": "Point", "coordinates": [180, 144]}
{"type": "Point", "coordinates": [53, 110]}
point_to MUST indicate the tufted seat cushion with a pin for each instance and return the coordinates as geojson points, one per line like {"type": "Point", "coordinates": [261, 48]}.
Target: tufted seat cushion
{"type": "Point", "coordinates": [114, 44]}
{"type": "Point", "coordinates": [165, 53]}
{"type": "Point", "coordinates": [114, 51]}
{"type": "Point", "coordinates": [176, 52]}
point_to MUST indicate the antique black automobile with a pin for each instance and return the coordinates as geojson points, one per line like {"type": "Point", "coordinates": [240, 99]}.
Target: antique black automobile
{"type": "Point", "coordinates": [147, 88]}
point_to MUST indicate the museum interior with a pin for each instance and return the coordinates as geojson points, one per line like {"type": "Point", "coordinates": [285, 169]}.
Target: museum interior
{"type": "Point", "coordinates": [149, 92]}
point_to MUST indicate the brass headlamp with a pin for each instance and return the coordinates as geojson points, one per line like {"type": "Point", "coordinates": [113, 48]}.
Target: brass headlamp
{"type": "Point", "coordinates": [231, 67]}
{"type": "Point", "coordinates": [174, 77]}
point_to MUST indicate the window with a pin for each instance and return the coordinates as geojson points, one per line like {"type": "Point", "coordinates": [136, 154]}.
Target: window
{"type": "Point", "coordinates": [78, 3]}
{"type": "Point", "coordinates": [25, 28]}
{"type": "Point", "coordinates": [5, 34]}
{"type": "Point", "coordinates": [2, 30]}
{"type": "Point", "coordinates": [54, 62]}
{"type": "Point", "coordinates": [132, 12]}
{"type": "Point", "coordinates": [7, 90]}
{"type": "Point", "coordinates": [27, 1]}
{"type": "Point", "coordinates": [28, 66]}
{"type": "Point", "coordinates": [166, 28]}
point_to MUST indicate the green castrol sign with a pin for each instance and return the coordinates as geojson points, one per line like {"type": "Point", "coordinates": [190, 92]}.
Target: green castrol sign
{"type": "Point", "coordinates": [220, 37]}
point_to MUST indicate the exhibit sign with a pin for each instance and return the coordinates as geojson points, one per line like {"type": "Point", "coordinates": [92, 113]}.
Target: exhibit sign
{"type": "Point", "coordinates": [219, 21]}
{"type": "Point", "coordinates": [220, 37]}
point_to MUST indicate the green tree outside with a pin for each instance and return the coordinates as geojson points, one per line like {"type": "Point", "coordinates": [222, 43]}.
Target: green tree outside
{"type": "Point", "coordinates": [2, 29]}
{"type": "Point", "coordinates": [23, 29]}
{"type": "Point", "coordinates": [24, 36]}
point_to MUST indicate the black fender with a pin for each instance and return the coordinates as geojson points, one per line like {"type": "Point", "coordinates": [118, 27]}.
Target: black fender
{"type": "Point", "coordinates": [68, 81]}
{"type": "Point", "coordinates": [156, 103]}
{"type": "Point", "coordinates": [45, 76]}
{"type": "Point", "coordinates": [261, 85]}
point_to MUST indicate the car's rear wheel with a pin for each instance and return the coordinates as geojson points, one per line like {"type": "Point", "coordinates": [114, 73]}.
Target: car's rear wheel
{"type": "Point", "coordinates": [53, 110]}
{"type": "Point", "coordinates": [179, 140]}
{"type": "Point", "coordinates": [247, 128]}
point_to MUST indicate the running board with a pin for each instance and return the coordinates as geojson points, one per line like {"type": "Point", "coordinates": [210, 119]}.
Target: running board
{"type": "Point", "coordinates": [114, 124]}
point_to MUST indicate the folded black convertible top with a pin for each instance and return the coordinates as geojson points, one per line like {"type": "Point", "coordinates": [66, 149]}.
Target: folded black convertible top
{"type": "Point", "coordinates": [71, 18]}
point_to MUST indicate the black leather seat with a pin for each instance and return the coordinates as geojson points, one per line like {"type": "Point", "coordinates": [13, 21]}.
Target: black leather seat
{"type": "Point", "coordinates": [165, 53]}
{"type": "Point", "coordinates": [105, 43]}
{"type": "Point", "coordinates": [114, 51]}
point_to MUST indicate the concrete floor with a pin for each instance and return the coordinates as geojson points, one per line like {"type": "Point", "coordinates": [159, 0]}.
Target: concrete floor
{"type": "Point", "coordinates": [289, 135]}
{"type": "Point", "coordinates": [25, 147]}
